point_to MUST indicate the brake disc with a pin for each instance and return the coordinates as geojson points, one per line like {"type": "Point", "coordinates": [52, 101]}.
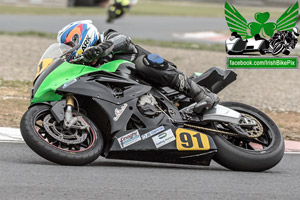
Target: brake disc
{"type": "Point", "coordinates": [65, 136]}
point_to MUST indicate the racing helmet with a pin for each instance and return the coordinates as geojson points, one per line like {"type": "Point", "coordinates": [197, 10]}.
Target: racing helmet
{"type": "Point", "coordinates": [296, 31]}
{"type": "Point", "coordinates": [82, 32]}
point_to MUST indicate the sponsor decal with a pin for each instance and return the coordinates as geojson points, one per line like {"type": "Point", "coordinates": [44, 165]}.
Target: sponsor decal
{"type": "Point", "coordinates": [129, 139]}
{"type": "Point", "coordinates": [163, 138]}
{"type": "Point", "coordinates": [69, 83]}
{"type": "Point", "coordinates": [119, 112]}
{"type": "Point", "coordinates": [153, 132]}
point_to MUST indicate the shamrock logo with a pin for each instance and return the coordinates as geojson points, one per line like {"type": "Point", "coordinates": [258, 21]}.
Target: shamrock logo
{"type": "Point", "coordinates": [237, 23]}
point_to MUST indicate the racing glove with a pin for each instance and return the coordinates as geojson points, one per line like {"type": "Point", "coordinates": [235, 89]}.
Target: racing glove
{"type": "Point", "coordinates": [95, 52]}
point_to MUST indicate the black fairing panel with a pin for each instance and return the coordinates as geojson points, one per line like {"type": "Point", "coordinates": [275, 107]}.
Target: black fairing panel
{"type": "Point", "coordinates": [215, 79]}
{"type": "Point", "coordinates": [145, 150]}
{"type": "Point", "coordinates": [94, 87]}
{"type": "Point", "coordinates": [120, 123]}
{"type": "Point", "coordinates": [121, 109]}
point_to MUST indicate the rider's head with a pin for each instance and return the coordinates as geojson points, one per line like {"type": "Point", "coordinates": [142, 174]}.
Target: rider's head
{"type": "Point", "coordinates": [82, 33]}
{"type": "Point", "coordinates": [296, 31]}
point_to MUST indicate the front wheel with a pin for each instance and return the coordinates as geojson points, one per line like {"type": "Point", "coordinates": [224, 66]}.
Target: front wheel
{"type": "Point", "coordinates": [55, 143]}
{"type": "Point", "coordinates": [249, 154]}
{"type": "Point", "coordinates": [278, 48]}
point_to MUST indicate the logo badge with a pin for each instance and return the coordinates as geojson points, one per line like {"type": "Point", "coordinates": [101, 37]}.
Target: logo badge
{"type": "Point", "coordinates": [153, 132]}
{"type": "Point", "coordinates": [119, 112]}
{"type": "Point", "coordinates": [261, 37]}
{"type": "Point", "coordinates": [129, 139]}
{"type": "Point", "coordinates": [163, 138]}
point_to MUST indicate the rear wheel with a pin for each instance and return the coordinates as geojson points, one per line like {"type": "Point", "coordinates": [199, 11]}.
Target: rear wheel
{"type": "Point", "coordinates": [55, 143]}
{"type": "Point", "coordinates": [261, 152]}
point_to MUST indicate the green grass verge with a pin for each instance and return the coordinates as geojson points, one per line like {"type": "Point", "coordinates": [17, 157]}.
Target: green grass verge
{"type": "Point", "coordinates": [147, 7]}
{"type": "Point", "coordinates": [29, 33]}
{"type": "Point", "coordinates": [170, 44]}
{"type": "Point", "coordinates": [180, 45]}
{"type": "Point", "coordinates": [15, 83]}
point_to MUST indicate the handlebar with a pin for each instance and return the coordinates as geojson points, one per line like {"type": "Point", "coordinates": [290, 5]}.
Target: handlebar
{"type": "Point", "coordinates": [79, 59]}
{"type": "Point", "coordinates": [70, 51]}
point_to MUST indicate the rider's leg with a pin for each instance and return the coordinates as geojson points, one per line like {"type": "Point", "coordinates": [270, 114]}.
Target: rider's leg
{"type": "Point", "coordinates": [163, 73]}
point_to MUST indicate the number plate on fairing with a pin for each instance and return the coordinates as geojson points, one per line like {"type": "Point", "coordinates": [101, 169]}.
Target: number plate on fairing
{"type": "Point", "coordinates": [188, 140]}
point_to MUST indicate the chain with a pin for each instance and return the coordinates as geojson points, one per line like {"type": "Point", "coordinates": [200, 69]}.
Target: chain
{"type": "Point", "coordinates": [210, 129]}
{"type": "Point", "coordinates": [251, 133]}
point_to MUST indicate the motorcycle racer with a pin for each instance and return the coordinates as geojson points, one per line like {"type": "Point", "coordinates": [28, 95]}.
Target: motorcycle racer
{"type": "Point", "coordinates": [110, 45]}
{"type": "Point", "coordinates": [118, 8]}
{"type": "Point", "coordinates": [288, 38]}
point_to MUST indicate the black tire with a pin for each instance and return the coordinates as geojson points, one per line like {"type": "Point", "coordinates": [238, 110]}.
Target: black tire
{"type": "Point", "coordinates": [286, 52]}
{"type": "Point", "coordinates": [234, 153]}
{"type": "Point", "coordinates": [278, 48]}
{"type": "Point", "coordinates": [36, 137]}
{"type": "Point", "coordinates": [262, 52]}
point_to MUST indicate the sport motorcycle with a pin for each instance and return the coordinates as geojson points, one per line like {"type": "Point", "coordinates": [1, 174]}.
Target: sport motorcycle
{"type": "Point", "coordinates": [78, 112]}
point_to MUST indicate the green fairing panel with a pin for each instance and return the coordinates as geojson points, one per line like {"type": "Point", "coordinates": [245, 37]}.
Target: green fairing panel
{"type": "Point", "coordinates": [65, 73]}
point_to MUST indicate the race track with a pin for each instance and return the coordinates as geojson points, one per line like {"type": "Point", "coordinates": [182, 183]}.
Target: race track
{"type": "Point", "coordinates": [141, 27]}
{"type": "Point", "coordinates": [25, 175]}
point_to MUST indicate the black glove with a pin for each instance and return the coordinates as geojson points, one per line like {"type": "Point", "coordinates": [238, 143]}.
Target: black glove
{"type": "Point", "coordinates": [95, 52]}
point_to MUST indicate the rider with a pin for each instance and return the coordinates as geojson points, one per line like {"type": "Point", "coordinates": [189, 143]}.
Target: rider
{"type": "Point", "coordinates": [112, 45]}
{"type": "Point", "coordinates": [118, 8]}
{"type": "Point", "coordinates": [290, 37]}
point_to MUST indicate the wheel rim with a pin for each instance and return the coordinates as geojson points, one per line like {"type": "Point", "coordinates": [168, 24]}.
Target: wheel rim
{"type": "Point", "coordinates": [71, 140]}
{"type": "Point", "coordinates": [257, 144]}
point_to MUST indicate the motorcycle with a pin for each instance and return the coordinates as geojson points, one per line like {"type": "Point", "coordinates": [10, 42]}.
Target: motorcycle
{"type": "Point", "coordinates": [282, 42]}
{"type": "Point", "coordinates": [235, 45]}
{"type": "Point", "coordinates": [78, 113]}
{"type": "Point", "coordinates": [118, 8]}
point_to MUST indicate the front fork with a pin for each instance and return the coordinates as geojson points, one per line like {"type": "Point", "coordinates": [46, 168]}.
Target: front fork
{"type": "Point", "coordinates": [69, 120]}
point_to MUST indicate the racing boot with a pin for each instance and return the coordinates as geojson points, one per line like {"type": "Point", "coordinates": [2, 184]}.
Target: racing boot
{"type": "Point", "coordinates": [204, 98]}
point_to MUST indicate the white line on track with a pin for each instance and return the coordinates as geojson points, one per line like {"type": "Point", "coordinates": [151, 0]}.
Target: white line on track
{"type": "Point", "coordinates": [10, 134]}
{"type": "Point", "coordinates": [292, 152]}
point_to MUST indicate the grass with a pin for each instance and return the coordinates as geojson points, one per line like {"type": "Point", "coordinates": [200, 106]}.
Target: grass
{"type": "Point", "coordinates": [14, 100]}
{"type": "Point", "coordinates": [29, 33]}
{"type": "Point", "coordinates": [147, 7]}
{"type": "Point", "coordinates": [181, 45]}
{"type": "Point", "coordinates": [15, 83]}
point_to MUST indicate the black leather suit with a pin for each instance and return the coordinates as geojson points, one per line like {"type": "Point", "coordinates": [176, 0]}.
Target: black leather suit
{"type": "Point", "coordinates": [166, 73]}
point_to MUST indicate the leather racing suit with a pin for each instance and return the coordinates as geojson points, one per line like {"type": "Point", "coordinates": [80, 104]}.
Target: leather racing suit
{"type": "Point", "coordinates": [151, 67]}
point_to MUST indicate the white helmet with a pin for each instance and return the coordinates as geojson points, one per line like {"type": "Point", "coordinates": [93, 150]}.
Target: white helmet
{"type": "Point", "coordinates": [296, 31]}
{"type": "Point", "coordinates": [79, 32]}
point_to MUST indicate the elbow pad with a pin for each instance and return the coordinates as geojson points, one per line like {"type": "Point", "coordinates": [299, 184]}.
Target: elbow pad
{"type": "Point", "coordinates": [121, 43]}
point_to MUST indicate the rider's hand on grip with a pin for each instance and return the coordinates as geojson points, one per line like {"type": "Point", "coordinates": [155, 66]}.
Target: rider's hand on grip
{"type": "Point", "coordinates": [95, 52]}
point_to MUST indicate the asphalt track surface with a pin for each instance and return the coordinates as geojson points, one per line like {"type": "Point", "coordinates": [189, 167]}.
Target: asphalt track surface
{"type": "Point", "coordinates": [141, 27]}
{"type": "Point", "coordinates": [25, 175]}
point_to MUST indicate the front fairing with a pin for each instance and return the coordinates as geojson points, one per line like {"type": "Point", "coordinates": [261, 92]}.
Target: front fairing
{"type": "Point", "coordinates": [53, 52]}
{"type": "Point", "coordinates": [61, 73]}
